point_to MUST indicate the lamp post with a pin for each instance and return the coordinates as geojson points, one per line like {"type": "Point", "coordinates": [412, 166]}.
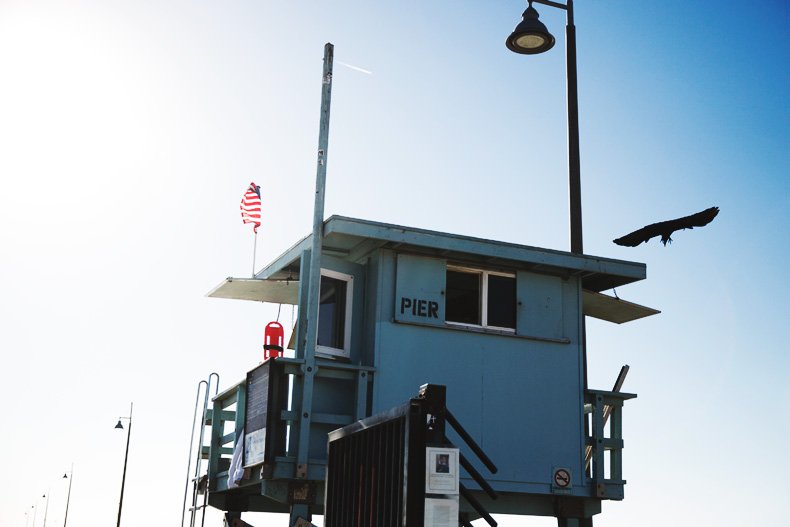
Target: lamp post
{"type": "Point", "coordinates": [46, 507]}
{"type": "Point", "coordinates": [70, 476]}
{"type": "Point", "coordinates": [126, 457]}
{"type": "Point", "coordinates": [529, 38]}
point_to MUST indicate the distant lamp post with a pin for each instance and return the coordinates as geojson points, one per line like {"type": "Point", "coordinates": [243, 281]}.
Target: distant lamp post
{"type": "Point", "coordinates": [529, 38]}
{"type": "Point", "coordinates": [70, 476]}
{"type": "Point", "coordinates": [46, 507]}
{"type": "Point", "coordinates": [126, 457]}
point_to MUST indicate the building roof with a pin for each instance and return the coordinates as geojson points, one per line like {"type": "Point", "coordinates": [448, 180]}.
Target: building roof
{"type": "Point", "coordinates": [353, 239]}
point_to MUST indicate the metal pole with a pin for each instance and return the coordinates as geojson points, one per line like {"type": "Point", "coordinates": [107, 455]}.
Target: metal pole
{"type": "Point", "coordinates": [125, 461]}
{"type": "Point", "coordinates": [191, 444]}
{"type": "Point", "coordinates": [574, 163]}
{"type": "Point", "coordinates": [574, 180]}
{"type": "Point", "coordinates": [68, 496]}
{"type": "Point", "coordinates": [254, 250]}
{"type": "Point", "coordinates": [46, 509]}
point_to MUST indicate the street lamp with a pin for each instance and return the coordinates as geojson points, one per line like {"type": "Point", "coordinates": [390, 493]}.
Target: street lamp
{"type": "Point", "coordinates": [126, 457]}
{"type": "Point", "coordinates": [529, 38]}
{"type": "Point", "coordinates": [46, 507]}
{"type": "Point", "coordinates": [70, 476]}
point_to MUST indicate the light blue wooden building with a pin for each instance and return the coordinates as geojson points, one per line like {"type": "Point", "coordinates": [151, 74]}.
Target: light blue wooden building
{"type": "Point", "coordinates": [500, 324]}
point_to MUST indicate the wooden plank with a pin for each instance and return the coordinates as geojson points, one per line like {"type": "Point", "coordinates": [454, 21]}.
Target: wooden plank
{"type": "Point", "coordinates": [613, 309]}
{"type": "Point", "coordinates": [273, 291]}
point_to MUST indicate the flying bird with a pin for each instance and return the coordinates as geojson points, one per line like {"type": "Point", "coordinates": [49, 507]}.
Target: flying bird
{"type": "Point", "coordinates": [666, 228]}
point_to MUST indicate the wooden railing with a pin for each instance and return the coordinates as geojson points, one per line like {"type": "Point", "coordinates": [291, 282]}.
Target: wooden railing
{"type": "Point", "coordinates": [600, 404]}
{"type": "Point", "coordinates": [226, 418]}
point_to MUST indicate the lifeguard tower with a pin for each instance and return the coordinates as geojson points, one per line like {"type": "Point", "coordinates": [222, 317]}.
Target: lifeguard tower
{"type": "Point", "coordinates": [495, 329]}
{"type": "Point", "coordinates": [499, 324]}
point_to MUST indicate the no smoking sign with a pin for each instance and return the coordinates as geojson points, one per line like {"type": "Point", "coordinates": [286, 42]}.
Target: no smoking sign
{"type": "Point", "coordinates": [561, 479]}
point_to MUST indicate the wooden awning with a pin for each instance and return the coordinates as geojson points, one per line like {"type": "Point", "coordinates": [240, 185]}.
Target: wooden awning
{"type": "Point", "coordinates": [273, 291]}
{"type": "Point", "coordinates": [596, 305]}
{"type": "Point", "coordinates": [613, 309]}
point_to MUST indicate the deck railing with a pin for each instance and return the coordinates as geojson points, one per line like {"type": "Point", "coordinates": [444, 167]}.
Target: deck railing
{"type": "Point", "coordinates": [226, 418]}
{"type": "Point", "coordinates": [606, 478]}
{"type": "Point", "coordinates": [227, 409]}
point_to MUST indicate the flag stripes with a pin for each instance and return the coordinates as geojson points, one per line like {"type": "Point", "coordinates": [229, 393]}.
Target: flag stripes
{"type": "Point", "coordinates": [251, 206]}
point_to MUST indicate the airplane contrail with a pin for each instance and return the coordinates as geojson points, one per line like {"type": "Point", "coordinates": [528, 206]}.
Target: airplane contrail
{"type": "Point", "coordinates": [356, 68]}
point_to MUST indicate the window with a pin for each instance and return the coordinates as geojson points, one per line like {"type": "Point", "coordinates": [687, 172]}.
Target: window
{"type": "Point", "coordinates": [334, 314]}
{"type": "Point", "coordinates": [480, 298]}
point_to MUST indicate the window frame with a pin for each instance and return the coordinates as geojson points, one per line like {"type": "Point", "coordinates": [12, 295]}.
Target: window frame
{"type": "Point", "coordinates": [484, 274]}
{"type": "Point", "coordinates": [329, 351]}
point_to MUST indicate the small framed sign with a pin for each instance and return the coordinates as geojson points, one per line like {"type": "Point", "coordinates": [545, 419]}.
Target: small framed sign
{"type": "Point", "coordinates": [561, 479]}
{"type": "Point", "coordinates": [266, 396]}
{"type": "Point", "coordinates": [255, 447]}
{"type": "Point", "coordinates": [441, 470]}
{"type": "Point", "coordinates": [441, 512]}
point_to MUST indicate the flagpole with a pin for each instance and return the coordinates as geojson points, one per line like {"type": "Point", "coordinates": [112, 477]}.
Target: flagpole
{"type": "Point", "coordinates": [254, 250]}
{"type": "Point", "coordinates": [251, 213]}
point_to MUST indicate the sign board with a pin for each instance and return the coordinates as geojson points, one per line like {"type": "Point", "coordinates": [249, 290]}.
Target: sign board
{"type": "Point", "coordinates": [441, 470]}
{"type": "Point", "coordinates": [441, 512]}
{"type": "Point", "coordinates": [254, 447]}
{"type": "Point", "coordinates": [419, 290]}
{"type": "Point", "coordinates": [561, 479]}
{"type": "Point", "coordinates": [262, 404]}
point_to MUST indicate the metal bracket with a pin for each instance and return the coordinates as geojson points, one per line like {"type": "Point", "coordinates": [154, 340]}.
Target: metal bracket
{"type": "Point", "coordinates": [301, 493]}
{"type": "Point", "coordinates": [600, 490]}
{"type": "Point", "coordinates": [301, 471]}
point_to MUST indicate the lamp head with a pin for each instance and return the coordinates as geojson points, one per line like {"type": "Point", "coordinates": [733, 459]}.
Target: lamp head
{"type": "Point", "coordinates": [530, 36]}
{"type": "Point", "coordinates": [119, 425]}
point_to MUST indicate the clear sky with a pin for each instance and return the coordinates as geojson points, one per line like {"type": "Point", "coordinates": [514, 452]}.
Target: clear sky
{"type": "Point", "coordinates": [130, 129]}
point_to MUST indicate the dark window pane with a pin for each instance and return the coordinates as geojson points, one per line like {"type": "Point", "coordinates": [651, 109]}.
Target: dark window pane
{"type": "Point", "coordinates": [502, 301]}
{"type": "Point", "coordinates": [463, 297]}
{"type": "Point", "coordinates": [332, 313]}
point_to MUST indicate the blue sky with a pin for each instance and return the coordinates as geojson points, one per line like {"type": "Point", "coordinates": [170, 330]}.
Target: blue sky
{"type": "Point", "coordinates": [129, 131]}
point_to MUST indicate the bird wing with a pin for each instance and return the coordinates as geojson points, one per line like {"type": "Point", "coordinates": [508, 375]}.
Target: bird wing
{"type": "Point", "coordinates": [699, 219]}
{"type": "Point", "coordinates": [666, 228]}
{"type": "Point", "coordinates": [638, 236]}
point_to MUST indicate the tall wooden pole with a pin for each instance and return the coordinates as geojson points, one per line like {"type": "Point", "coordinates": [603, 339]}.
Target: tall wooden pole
{"type": "Point", "coordinates": [314, 284]}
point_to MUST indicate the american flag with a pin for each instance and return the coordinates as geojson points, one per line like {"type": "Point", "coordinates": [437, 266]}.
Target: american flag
{"type": "Point", "coordinates": [251, 206]}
